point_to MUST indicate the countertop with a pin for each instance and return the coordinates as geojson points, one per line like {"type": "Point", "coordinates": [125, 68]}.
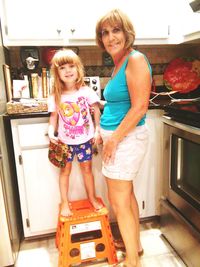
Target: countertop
{"type": "Point", "coordinates": [155, 104]}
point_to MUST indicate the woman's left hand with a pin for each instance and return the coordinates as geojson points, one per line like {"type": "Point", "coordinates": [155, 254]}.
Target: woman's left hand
{"type": "Point", "coordinates": [97, 140]}
{"type": "Point", "coordinates": [109, 149]}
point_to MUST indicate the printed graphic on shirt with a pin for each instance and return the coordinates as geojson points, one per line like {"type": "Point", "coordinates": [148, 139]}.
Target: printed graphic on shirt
{"type": "Point", "coordinates": [75, 117]}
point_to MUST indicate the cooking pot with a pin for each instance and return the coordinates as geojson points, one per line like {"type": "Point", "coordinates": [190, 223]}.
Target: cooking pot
{"type": "Point", "coordinates": [47, 54]}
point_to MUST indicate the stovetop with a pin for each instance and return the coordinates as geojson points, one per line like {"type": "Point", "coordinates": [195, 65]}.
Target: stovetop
{"type": "Point", "coordinates": [185, 111]}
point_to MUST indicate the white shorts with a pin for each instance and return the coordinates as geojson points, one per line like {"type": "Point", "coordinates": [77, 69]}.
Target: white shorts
{"type": "Point", "coordinates": [129, 154]}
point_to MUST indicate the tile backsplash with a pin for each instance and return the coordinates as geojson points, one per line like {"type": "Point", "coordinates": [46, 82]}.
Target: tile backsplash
{"type": "Point", "coordinates": [92, 58]}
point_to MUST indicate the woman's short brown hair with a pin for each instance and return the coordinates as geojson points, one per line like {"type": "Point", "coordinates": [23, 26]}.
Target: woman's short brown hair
{"type": "Point", "coordinates": [116, 17]}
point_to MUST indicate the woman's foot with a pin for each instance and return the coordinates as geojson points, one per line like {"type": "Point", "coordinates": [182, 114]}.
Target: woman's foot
{"type": "Point", "coordinates": [119, 245]}
{"type": "Point", "coordinates": [127, 264]}
{"type": "Point", "coordinates": [141, 252]}
{"type": "Point", "coordinates": [96, 204]}
{"type": "Point", "coordinates": [66, 209]}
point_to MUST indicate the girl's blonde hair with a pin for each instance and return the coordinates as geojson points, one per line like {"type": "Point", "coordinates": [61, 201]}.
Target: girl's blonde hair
{"type": "Point", "coordinates": [113, 18]}
{"type": "Point", "coordinates": [61, 57]}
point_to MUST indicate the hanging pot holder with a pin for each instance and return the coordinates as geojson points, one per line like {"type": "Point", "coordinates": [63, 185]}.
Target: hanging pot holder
{"type": "Point", "coordinates": [58, 154]}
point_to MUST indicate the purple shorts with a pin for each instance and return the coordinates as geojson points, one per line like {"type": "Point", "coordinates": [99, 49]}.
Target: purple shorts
{"type": "Point", "coordinates": [83, 152]}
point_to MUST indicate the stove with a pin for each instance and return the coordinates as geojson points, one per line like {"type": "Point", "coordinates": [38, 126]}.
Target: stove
{"type": "Point", "coordinates": [185, 111]}
{"type": "Point", "coordinates": [94, 83]}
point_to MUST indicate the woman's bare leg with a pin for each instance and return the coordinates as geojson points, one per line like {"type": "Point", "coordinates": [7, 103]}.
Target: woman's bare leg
{"type": "Point", "coordinates": [120, 196]}
{"type": "Point", "coordinates": [135, 209]}
{"type": "Point", "coordinates": [86, 170]}
{"type": "Point", "coordinates": [64, 186]}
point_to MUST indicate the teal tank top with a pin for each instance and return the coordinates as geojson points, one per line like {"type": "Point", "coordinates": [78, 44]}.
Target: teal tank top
{"type": "Point", "coordinates": [117, 98]}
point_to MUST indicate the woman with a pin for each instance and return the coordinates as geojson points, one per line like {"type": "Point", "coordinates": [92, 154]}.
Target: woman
{"type": "Point", "coordinates": [123, 129]}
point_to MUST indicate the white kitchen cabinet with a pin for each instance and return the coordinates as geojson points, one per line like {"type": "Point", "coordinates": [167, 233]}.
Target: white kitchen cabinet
{"type": "Point", "coordinates": [73, 23]}
{"type": "Point", "coordinates": [64, 23]}
{"type": "Point", "coordinates": [192, 30]}
{"type": "Point", "coordinates": [38, 178]}
{"type": "Point", "coordinates": [184, 24]}
{"type": "Point", "coordinates": [148, 181]}
{"type": "Point", "coordinates": [31, 23]}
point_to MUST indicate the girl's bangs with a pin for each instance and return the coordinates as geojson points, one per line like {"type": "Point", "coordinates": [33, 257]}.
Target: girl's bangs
{"type": "Point", "coordinates": [64, 60]}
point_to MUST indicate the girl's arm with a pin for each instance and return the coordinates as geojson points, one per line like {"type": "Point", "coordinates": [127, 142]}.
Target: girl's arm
{"type": "Point", "coordinates": [53, 126]}
{"type": "Point", "coordinates": [102, 104]}
{"type": "Point", "coordinates": [96, 115]}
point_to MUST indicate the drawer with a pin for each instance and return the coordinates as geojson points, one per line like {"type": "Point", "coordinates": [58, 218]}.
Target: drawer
{"type": "Point", "coordinates": [33, 134]}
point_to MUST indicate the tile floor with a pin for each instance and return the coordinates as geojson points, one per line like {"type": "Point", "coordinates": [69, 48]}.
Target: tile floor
{"type": "Point", "coordinates": [157, 251]}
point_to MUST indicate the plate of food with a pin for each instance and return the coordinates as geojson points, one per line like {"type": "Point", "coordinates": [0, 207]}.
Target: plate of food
{"type": "Point", "coordinates": [182, 75]}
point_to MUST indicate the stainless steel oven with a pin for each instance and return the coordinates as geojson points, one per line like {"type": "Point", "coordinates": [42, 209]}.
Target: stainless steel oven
{"type": "Point", "coordinates": [180, 204]}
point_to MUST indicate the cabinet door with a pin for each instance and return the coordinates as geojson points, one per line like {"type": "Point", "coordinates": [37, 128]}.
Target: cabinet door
{"type": "Point", "coordinates": [27, 22]}
{"type": "Point", "coordinates": [150, 20]}
{"type": "Point", "coordinates": [191, 30]}
{"type": "Point", "coordinates": [42, 192]}
{"type": "Point", "coordinates": [148, 181]}
{"type": "Point", "coordinates": [73, 23]}
{"type": "Point", "coordinates": [81, 27]}
{"type": "Point", "coordinates": [148, 23]}
{"type": "Point", "coordinates": [38, 179]}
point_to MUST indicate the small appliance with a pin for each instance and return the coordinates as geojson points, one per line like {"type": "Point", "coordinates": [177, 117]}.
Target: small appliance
{"type": "Point", "coordinates": [94, 83]}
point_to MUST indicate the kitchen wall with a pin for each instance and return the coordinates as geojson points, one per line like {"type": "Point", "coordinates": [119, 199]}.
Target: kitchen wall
{"type": "Point", "coordinates": [2, 86]}
{"type": "Point", "coordinates": [158, 55]}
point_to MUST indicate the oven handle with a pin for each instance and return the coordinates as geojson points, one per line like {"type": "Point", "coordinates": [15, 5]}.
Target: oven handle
{"type": "Point", "coordinates": [179, 160]}
{"type": "Point", "coordinates": [170, 159]}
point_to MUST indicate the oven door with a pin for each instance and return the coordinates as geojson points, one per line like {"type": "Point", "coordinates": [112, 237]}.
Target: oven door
{"type": "Point", "coordinates": [182, 152]}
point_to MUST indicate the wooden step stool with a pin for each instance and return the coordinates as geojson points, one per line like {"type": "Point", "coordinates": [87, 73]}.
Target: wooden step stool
{"type": "Point", "coordinates": [85, 237]}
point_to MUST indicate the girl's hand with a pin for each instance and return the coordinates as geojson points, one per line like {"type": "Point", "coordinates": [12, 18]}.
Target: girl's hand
{"type": "Point", "coordinates": [109, 149]}
{"type": "Point", "coordinates": [54, 139]}
{"type": "Point", "coordinates": [91, 108]}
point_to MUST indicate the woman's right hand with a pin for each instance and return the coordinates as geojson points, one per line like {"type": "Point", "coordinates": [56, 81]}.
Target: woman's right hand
{"type": "Point", "coordinates": [109, 149]}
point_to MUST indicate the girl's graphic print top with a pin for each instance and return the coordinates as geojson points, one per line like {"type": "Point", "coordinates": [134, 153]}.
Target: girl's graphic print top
{"type": "Point", "coordinates": [75, 124]}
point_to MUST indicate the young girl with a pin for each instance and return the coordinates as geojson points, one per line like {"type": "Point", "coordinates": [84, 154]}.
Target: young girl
{"type": "Point", "coordinates": [70, 117]}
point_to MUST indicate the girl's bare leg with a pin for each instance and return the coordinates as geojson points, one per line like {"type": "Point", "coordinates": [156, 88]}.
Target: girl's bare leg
{"type": "Point", "coordinates": [64, 186]}
{"type": "Point", "coordinates": [120, 196]}
{"type": "Point", "coordinates": [86, 170]}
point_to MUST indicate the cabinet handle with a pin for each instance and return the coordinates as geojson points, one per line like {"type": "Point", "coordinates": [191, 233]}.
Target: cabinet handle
{"type": "Point", "coordinates": [20, 160]}
{"type": "Point", "coordinates": [6, 29]}
{"type": "Point", "coordinates": [72, 31]}
{"type": "Point", "coordinates": [27, 222]}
